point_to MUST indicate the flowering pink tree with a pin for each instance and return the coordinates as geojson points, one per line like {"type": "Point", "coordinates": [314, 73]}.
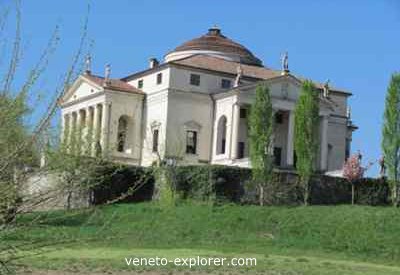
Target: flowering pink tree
{"type": "Point", "coordinates": [353, 171]}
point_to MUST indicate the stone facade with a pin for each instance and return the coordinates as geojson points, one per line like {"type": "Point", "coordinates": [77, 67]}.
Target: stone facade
{"type": "Point", "coordinates": [193, 107]}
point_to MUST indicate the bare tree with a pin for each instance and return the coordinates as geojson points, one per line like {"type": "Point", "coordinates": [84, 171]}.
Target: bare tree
{"type": "Point", "coordinates": [19, 146]}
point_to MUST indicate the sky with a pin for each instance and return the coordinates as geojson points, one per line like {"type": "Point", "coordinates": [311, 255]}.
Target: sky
{"type": "Point", "coordinates": [355, 44]}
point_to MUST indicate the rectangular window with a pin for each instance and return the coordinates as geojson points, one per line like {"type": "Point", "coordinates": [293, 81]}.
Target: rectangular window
{"type": "Point", "coordinates": [241, 150]}
{"type": "Point", "coordinates": [225, 83]}
{"type": "Point", "coordinates": [191, 142]}
{"type": "Point", "coordinates": [278, 118]}
{"type": "Point", "coordinates": [277, 156]}
{"type": "Point", "coordinates": [159, 78]}
{"type": "Point", "coordinates": [155, 140]}
{"type": "Point", "coordinates": [140, 84]}
{"type": "Point", "coordinates": [195, 79]}
{"type": "Point", "coordinates": [347, 149]}
{"type": "Point", "coordinates": [243, 113]}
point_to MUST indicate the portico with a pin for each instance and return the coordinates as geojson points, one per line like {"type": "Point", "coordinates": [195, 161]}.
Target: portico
{"type": "Point", "coordinates": [85, 129]}
{"type": "Point", "coordinates": [92, 127]}
{"type": "Point", "coordinates": [231, 139]}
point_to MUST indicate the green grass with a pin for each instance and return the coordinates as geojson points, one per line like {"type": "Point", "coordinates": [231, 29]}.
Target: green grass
{"type": "Point", "coordinates": [298, 240]}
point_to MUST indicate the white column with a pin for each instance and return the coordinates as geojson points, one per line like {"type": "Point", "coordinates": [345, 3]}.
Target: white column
{"type": "Point", "coordinates": [79, 126]}
{"type": "Point", "coordinates": [104, 127]}
{"type": "Point", "coordinates": [73, 133]}
{"type": "Point", "coordinates": [235, 131]}
{"type": "Point", "coordinates": [65, 125]}
{"type": "Point", "coordinates": [88, 131]}
{"type": "Point", "coordinates": [290, 140]}
{"type": "Point", "coordinates": [96, 128]}
{"type": "Point", "coordinates": [270, 150]}
{"type": "Point", "coordinates": [324, 143]}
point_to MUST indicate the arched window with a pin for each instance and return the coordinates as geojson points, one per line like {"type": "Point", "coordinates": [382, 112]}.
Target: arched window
{"type": "Point", "coordinates": [122, 133]}
{"type": "Point", "coordinates": [221, 135]}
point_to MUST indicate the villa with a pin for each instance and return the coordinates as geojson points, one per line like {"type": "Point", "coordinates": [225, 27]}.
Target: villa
{"type": "Point", "coordinates": [193, 107]}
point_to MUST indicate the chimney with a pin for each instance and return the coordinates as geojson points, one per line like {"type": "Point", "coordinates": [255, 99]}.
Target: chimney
{"type": "Point", "coordinates": [153, 63]}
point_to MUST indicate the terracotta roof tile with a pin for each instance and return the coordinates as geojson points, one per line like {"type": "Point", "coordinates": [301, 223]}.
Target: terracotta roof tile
{"type": "Point", "coordinates": [221, 65]}
{"type": "Point", "coordinates": [113, 84]}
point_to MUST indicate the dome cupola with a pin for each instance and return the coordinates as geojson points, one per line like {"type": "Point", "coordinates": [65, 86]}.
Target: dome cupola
{"type": "Point", "coordinates": [214, 43]}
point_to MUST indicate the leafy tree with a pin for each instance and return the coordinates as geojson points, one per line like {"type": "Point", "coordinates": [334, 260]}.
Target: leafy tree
{"type": "Point", "coordinates": [18, 140]}
{"type": "Point", "coordinates": [306, 134]}
{"type": "Point", "coordinates": [391, 136]}
{"type": "Point", "coordinates": [261, 129]}
{"type": "Point", "coordinates": [12, 134]}
{"type": "Point", "coordinates": [353, 171]}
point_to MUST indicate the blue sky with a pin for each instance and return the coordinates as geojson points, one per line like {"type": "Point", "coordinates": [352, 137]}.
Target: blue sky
{"type": "Point", "coordinates": [356, 44]}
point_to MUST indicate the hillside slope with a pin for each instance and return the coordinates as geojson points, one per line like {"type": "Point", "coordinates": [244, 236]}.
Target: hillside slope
{"type": "Point", "coordinates": [304, 240]}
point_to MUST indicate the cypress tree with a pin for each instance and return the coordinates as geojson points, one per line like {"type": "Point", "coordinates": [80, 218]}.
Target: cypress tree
{"type": "Point", "coordinates": [306, 134]}
{"type": "Point", "coordinates": [260, 132]}
{"type": "Point", "coordinates": [391, 136]}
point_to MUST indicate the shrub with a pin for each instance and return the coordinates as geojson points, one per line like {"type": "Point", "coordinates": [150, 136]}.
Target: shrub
{"type": "Point", "coordinates": [120, 183]}
{"type": "Point", "coordinates": [217, 183]}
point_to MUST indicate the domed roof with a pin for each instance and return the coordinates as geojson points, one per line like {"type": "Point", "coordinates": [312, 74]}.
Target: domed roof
{"type": "Point", "coordinates": [216, 44]}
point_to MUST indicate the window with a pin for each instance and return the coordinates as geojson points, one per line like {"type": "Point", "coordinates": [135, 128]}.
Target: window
{"type": "Point", "coordinates": [277, 156]}
{"type": "Point", "coordinates": [294, 159]}
{"type": "Point", "coordinates": [122, 132]}
{"type": "Point", "coordinates": [279, 118]}
{"type": "Point", "coordinates": [155, 140]}
{"type": "Point", "coordinates": [347, 149]}
{"type": "Point", "coordinates": [140, 84]}
{"type": "Point", "coordinates": [243, 113]}
{"type": "Point", "coordinates": [195, 79]}
{"type": "Point", "coordinates": [221, 135]}
{"type": "Point", "coordinates": [191, 142]}
{"type": "Point", "coordinates": [159, 78]}
{"type": "Point", "coordinates": [241, 150]}
{"type": "Point", "coordinates": [225, 83]}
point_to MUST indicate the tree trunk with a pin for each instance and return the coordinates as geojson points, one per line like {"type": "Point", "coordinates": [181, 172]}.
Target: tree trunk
{"type": "Point", "coordinates": [261, 195]}
{"type": "Point", "coordinates": [69, 195]}
{"type": "Point", "coordinates": [306, 192]}
{"type": "Point", "coordinates": [395, 195]}
{"type": "Point", "coordinates": [352, 193]}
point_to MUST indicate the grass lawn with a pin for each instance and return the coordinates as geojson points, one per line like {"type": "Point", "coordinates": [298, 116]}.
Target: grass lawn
{"type": "Point", "coordinates": [298, 240]}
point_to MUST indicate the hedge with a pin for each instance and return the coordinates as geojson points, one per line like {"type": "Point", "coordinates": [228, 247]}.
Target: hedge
{"type": "Point", "coordinates": [233, 184]}
{"type": "Point", "coordinates": [120, 183]}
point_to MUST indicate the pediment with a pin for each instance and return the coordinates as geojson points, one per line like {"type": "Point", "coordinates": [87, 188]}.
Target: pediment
{"type": "Point", "coordinates": [289, 79]}
{"type": "Point", "coordinates": [81, 88]}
